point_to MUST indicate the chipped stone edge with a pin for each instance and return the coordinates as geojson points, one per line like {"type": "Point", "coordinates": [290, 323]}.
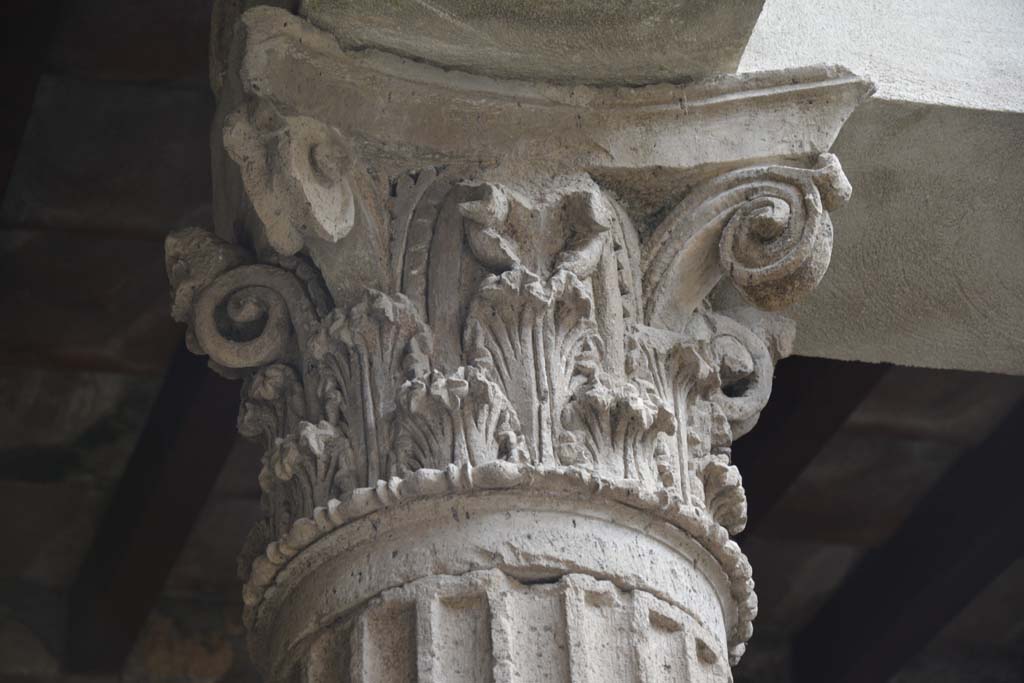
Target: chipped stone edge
{"type": "Point", "coordinates": [504, 475]}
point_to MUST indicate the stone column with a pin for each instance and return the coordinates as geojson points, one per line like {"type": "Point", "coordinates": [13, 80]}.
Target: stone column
{"type": "Point", "coordinates": [497, 336]}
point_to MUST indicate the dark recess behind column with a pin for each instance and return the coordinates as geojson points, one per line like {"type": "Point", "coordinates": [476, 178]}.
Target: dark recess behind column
{"type": "Point", "coordinates": [961, 537]}
{"type": "Point", "coordinates": [811, 399]}
{"type": "Point", "coordinates": [172, 470]}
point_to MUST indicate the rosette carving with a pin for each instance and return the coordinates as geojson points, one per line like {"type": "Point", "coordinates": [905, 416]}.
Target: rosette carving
{"type": "Point", "coordinates": [298, 174]}
{"type": "Point", "coordinates": [273, 404]}
{"type": "Point", "coordinates": [765, 227]}
{"type": "Point", "coordinates": [502, 220]}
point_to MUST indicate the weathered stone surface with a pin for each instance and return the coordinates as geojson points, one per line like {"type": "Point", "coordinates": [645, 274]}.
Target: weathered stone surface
{"type": "Point", "coordinates": [405, 111]}
{"type": "Point", "coordinates": [477, 340]}
{"type": "Point", "coordinates": [523, 530]}
{"type": "Point", "coordinates": [484, 626]}
{"type": "Point", "coordinates": [940, 52]}
{"type": "Point", "coordinates": [581, 41]}
{"type": "Point", "coordinates": [927, 258]}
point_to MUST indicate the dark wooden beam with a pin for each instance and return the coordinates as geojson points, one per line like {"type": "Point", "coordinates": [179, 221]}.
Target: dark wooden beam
{"type": "Point", "coordinates": [85, 304]}
{"type": "Point", "coordinates": [111, 157]}
{"type": "Point", "coordinates": [962, 536]}
{"type": "Point", "coordinates": [29, 27]}
{"type": "Point", "coordinates": [143, 41]}
{"type": "Point", "coordinates": [172, 470]}
{"type": "Point", "coordinates": [811, 399]}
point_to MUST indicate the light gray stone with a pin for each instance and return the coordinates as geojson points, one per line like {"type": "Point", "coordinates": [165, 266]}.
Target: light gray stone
{"type": "Point", "coordinates": [484, 626]}
{"type": "Point", "coordinates": [539, 540]}
{"type": "Point", "coordinates": [582, 41]}
{"type": "Point", "coordinates": [474, 324]}
{"type": "Point", "coordinates": [939, 52]}
{"type": "Point", "coordinates": [928, 254]}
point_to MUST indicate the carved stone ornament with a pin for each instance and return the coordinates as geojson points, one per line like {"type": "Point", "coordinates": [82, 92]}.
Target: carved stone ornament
{"type": "Point", "coordinates": [476, 327]}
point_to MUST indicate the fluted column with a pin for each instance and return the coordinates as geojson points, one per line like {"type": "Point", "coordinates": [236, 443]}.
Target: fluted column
{"type": "Point", "coordinates": [497, 337]}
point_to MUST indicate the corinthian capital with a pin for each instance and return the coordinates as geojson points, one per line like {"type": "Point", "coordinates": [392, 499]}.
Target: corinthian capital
{"type": "Point", "coordinates": [477, 329]}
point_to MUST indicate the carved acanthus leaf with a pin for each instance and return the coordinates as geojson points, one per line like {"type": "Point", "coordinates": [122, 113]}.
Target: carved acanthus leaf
{"type": "Point", "coordinates": [363, 355]}
{"type": "Point", "coordinates": [672, 368]}
{"type": "Point", "coordinates": [617, 428]}
{"type": "Point", "coordinates": [304, 470]}
{"type": "Point", "coordinates": [715, 378]}
{"type": "Point", "coordinates": [446, 311]}
{"type": "Point", "coordinates": [553, 367]}
{"type": "Point", "coordinates": [723, 493]}
{"type": "Point", "coordinates": [527, 333]}
{"type": "Point", "coordinates": [455, 419]}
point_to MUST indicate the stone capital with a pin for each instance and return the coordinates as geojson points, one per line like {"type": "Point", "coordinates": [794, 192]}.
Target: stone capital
{"type": "Point", "coordinates": [497, 337]}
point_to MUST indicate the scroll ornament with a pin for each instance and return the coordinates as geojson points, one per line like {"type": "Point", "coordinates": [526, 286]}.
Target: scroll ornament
{"type": "Point", "coordinates": [568, 343]}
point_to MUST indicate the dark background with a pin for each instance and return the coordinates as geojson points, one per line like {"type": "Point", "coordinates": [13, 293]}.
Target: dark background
{"type": "Point", "coordinates": [885, 525]}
